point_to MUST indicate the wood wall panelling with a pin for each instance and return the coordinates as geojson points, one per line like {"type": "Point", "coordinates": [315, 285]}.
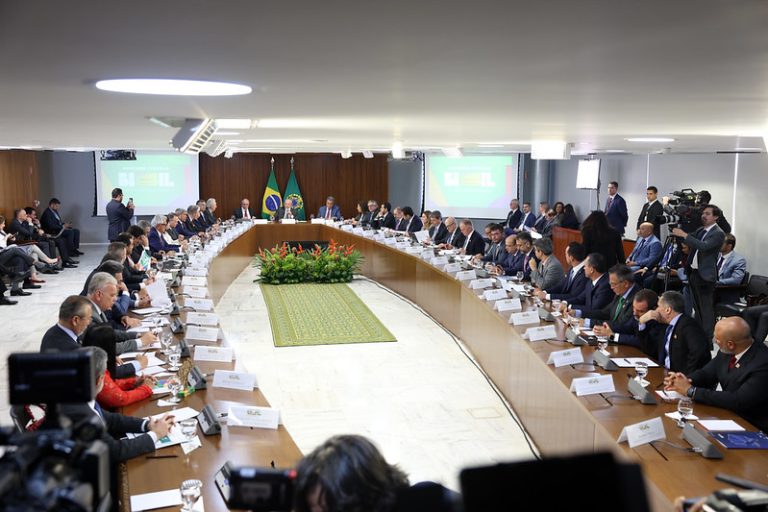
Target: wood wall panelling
{"type": "Point", "coordinates": [19, 181]}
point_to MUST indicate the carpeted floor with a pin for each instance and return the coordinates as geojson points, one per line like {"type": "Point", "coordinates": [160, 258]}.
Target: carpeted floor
{"type": "Point", "coordinates": [320, 314]}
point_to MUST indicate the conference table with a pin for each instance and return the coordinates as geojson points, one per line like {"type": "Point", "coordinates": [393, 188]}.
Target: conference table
{"type": "Point", "coordinates": [558, 421]}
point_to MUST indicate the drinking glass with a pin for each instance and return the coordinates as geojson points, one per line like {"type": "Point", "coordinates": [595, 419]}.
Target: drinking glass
{"type": "Point", "coordinates": [174, 386]}
{"type": "Point", "coordinates": [190, 492]}
{"type": "Point", "coordinates": [520, 276]}
{"type": "Point", "coordinates": [174, 358]}
{"type": "Point", "coordinates": [641, 368]}
{"type": "Point", "coordinates": [165, 341]}
{"type": "Point", "coordinates": [555, 305]}
{"type": "Point", "coordinates": [602, 343]}
{"type": "Point", "coordinates": [188, 430]}
{"type": "Point", "coordinates": [685, 409]}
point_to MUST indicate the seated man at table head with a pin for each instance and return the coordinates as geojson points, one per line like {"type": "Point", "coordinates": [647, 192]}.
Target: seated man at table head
{"type": "Point", "coordinates": [118, 425]}
{"type": "Point", "coordinates": [494, 253]}
{"type": "Point", "coordinates": [547, 271]}
{"type": "Point", "coordinates": [525, 246]}
{"type": "Point", "coordinates": [740, 369]}
{"type": "Point", "coordinates": [74, 317]}
{"type": "Point", "coordinates": [330, 210]}
{"type": "Point", "coordinates": [574, 281]}
{"type": "Point", "coordinates": [624, 331]}
{"type": "Point", "coordinates": [438, 233]}
{"type": "Point", "coordinates": [287, 210]}
{"type": "Point", "coordinates": [597, 293]}
{"type": "Point", "coordinates": [473, 242]}
{"type": "Point", "coordinates": [384, 218]}
{"type": "Point", "coordinates": [245, 211]}
{"type": "Point", "coordinates": [682, 345]}
{"type": "Point", "coordinates": [410, 222]}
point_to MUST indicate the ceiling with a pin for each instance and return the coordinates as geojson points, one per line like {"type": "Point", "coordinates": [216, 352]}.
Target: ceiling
{"type": "Point", "coordinates": [352, 75]}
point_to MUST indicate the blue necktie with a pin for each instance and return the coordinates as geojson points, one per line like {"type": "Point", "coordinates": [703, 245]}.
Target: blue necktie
{"type": "Point", "coordinates": [667, 335]}
{"type": "Point", "coordinates": [638, 247]}
{"type": "Point", "coordinates": [98, 410]}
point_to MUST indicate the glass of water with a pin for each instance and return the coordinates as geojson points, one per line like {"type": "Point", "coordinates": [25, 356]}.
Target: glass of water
{"type": "Point", "coordinates": [190, 492]}
{"type": "Point", "coordinates": [685, 409]}
{"type": "Point", "coordinates": [174, 386]}
{"type": "Point", "coordinates": [520, 275]}
{"type": "Point", "coordinates": [641, 369]}
{"type": "Point", "coordinates": [165, 341]}
{"type": "Point", "coordinates": [189, 431]}
{"type": "Point", "coordinates": [602, 343]}
{"type": "Point", "coordinates": [174, 357]}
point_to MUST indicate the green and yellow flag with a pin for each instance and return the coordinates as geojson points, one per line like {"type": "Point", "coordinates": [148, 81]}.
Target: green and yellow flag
{"type": "Point", "coordinates": [272, 199]}
{"type": "Point", "coordinates": [292, 192]}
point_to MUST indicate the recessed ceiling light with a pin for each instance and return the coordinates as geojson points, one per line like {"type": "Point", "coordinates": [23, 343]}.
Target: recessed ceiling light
{"type": "Point", "coordinates": [615, 151]}
{"type": "Point", "coordinates": [506, 143]}
{"type": "Point", "coordinates": [233, 124]}
{"type": "Point", "coordinates": [171, 87]}
{"type": "Point", "coordinates": [649, 139]}
{"type": "Point", "coordinates": [397, 150]}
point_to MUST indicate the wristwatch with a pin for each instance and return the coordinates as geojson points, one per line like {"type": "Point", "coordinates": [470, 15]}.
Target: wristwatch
{"type": "Point", "coordinates": [691, 391]}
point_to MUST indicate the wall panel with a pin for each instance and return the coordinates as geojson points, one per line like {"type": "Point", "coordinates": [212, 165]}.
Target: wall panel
{"type": "Point", "coordinates": [19, 180]}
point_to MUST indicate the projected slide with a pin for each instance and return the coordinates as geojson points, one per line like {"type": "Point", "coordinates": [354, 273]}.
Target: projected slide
{"type": "Point", "coordinates": [158, 182]}
{"type": "Point", "coordinates": [472, 186]}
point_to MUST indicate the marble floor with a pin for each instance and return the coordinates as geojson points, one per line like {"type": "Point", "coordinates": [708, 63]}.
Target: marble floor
{"type": "Point", "coordinates": [422, 400]}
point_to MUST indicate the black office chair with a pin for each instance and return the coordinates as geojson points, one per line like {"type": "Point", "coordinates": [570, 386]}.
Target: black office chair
{"type": "Point", "coordinates": [758, 285]}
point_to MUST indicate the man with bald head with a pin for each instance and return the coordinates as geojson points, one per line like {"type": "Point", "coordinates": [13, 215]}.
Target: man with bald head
{"type": "Point", "coordinates": [647, 251]}
{"type": "Point", "coordinates": [740, 368]}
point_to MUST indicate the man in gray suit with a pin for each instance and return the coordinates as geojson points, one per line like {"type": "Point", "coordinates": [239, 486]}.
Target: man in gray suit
{"type": "Point", "coordinates": [731, 269]}
{"type": "Point", "coordinates": [548, 272]}
{"type": "Point", "coordinates": [74, 317]}
{"type": "Point", "coordinates": [705, 244]}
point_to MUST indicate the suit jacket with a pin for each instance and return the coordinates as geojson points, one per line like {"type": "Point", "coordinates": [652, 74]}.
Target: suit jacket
{"type": "Point", "coordinates": [540, 223]}
{"type": "Point", "coordinates": [526, 221]}
{"type": "Point", "coordinates": [474, 245]}
{"type": "Point", "coordinates": [182, 228]}
{"type": "Point", "coordinates": [281, 212]}
{"type": "Point", "coordinates": [126, 341]}
{"type": "Point", "coordinates": [367, 218]}
{"type": "Point", "coordinates": [118, 217]}
{"type": "Point", "coordinates": [387, 221]}
{"type": "Point", "coordinates": [56, 339]}
{"type": "Point", "coordinates": [514, 218]}
{"type": "Point", "coordinates": [438, 233]}
{"type": "Point", "coordinates": [626, 329]}
{"type": "Point", "coordinates": [209, 217]}
{"type": "Point", "coordinates": [688, 349]}
{"type": "Point", "coordinates": [651, 213]}
{"type": "Point", "coordinates": [707, 251]}
{"type": "Point", "coordinates": [617, 214]}
{"type": "Point", "coordinates": [526, 264]}
{"type": "Point", "coordinates": [400, 224]}
{"type": "Point", "coordinates": [157, 243]}
{"type": "Point", "coordinates": [548, 274]}
{"type": "Point", "coordinates": [238, 213]}
{"type": "Point", "coordinates": [335, 212]}
{"type": "Point", "coordinates": [495, 253]}
{"type": "Point", "coordinates": [116, 427]}
{"type": "Point", "coordinates": [647, 255]}
{"type": "Point", "coordinates": [511, 264]}
{"type": "Point", "coordinates": [733, 270]}
{"type": "Point", "coordinates": [415, 224]}
{"type": "Point", "coordinates": [455, 239]}
{"type": "Point", "coordinates": [23, 231]}
{"type": "Point", "coordinates": [569, 291]}
{"type": "Point", "coordinates": [608, 312]}
{"type": "Point", "coordinates": [51, 223]}
{"type": "Point", "coordinates": [594, 297]}
{"type": "Point", "coordinates": [744, 386]}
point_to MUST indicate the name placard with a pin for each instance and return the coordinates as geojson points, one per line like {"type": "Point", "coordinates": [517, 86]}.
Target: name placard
{"type": "Point", "coordinates": [318, 221]}
{"type": "Point", "coordinates": [428, 254]}
{"type": "Point", "coordinates": [452, 267]}
{"type": "Point", "coordinates": [379, 237]}
{"type": "Point", "coordinates": [496, 294]}
{"type": "Point", "coordinates": [369, 234]}
{"type": "Point", "coordinates": [643, 432]}
{"type": "Point", "coordinates": [257, 417]}
{"type": "Point", "coordinates": [260, 221]}
{"type": "Point", "coordinates": [390, 241]}
{"type": "Point", "coordinates": [544, 332]}
{"type": "Point", "coordinates": [211, 319]}
{"type": "Point", "coordinates": [565, 357]}
{"type": "Point", "coordinates": [199, 304]}
{"type": "Point", "coordinates": [466, 275]}
{"type": "Point", "coordinates": [234, 380]}
{"type": "Point", "coordinates": [439, 261]}
{"type": "Point", "coordinates": [217, 354]}
{"type": "Point", "coordinates": [414, 250]}
{"type": "Point", "coordinates": [524, 318]}
{"type": "Point", "coordinates": [508, 305]}
{"type": "Point", "coordinates": [347, 227]}
{"type": "Point", "coordinates": [358, 231]}
{"type": "Point", "coordinates": [196, 292]}
{"type": "Point", "coordinates": [196, 271]}
{"type": "Point", "coordinates": [479, 284]}
{"type": "Point", "coordinates": [195, 332]}
{"type": "Point", "coordinates": [593, 385]}
{"type": "Point", "coordinates": [194, 281]}
{"type": "Point", "coordinates": [287, 221]}
{"type": "Point", "coordinates": [403, 245]}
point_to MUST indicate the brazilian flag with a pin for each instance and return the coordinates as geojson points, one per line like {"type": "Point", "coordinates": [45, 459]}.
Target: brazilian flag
{"type": "Point", "coordinates": [272, 200]}
{"type": "Point", "coordinates": [292, 192]}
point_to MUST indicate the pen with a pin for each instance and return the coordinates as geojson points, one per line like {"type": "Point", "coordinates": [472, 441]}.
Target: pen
{"type": "Point", "coordinates": [161, 456]}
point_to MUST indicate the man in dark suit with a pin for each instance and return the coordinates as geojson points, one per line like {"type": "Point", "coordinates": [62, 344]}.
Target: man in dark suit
{"type": "Point", "coordinates": [74, 317]}
{"type": "Point", "coordinates": [527, 219]}
{"type": "Point", "coordinates": [26, 232]}
{"type": "Point", "coordinates": [438, 233]}
{"type": "Point", "coordinates": [681, 346]}
{"type": "Point", "coordinates": [616, 208]}
{"type": "Point", "coordinates": [514, 216]}
{"type": "Point", "coordinates": [541, 220]}
{"type": "Point", "coordinates": [597, 294]}
{"type": "Point", "coordinates": [157, 243]}
{"type": "Point", "coordinates": [367, 218]}
{"type": "Point", "coordinates": [473, 242]}
{"type": "Point", "coordinates": [741, 370]}
{"type": "Point", "coordinates": [410, 222]}
{"type": "Point", "coordinates": [400, 221]}
{"type": "Point", "coordinates": [652, 210]}
{"type": "Point", "coordinates": [118, 425]}
{"type": "Point", "coordinates": [245, 211]}
{"type": "Point", "coordinates": [495, 251]}
{"type": "Point", "coordinates": [525, 246]}
{"type": "Point", "coordinates": [287, 211]}
{"type": "Point", "coordinates": [705, 244]}
{"type": "Point", "coordinates": [619, 310]}
{"type": "Point", "coordinates": [210, 211]}
{"type": "Point", "coordinates": [202, 220]}
{"type": "Point", "coordinates": [453, 236]}
{"type": "Point", "coordinates": [118, 215]}
{"type": "Point", "coordinates": [512, 262]}
{"type": "Point", "coordinates": [574, 282]}
{"type": "Point", "coordinates": [624, 331]}
{"type": "Point", "coordinates": [384, 219]}
{"type": "Point", "coordinates": [331, 211]}
{"type": "Point", "coordinates": [52, 224]}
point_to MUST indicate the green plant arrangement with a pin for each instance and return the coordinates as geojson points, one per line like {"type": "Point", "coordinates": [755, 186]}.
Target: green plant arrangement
{"type": "Point", "coordinates": [284, 265]}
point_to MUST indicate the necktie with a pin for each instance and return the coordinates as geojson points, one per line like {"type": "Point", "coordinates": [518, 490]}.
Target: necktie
{"type": "Point", "coordinates": [327, 213]}
{"type": "Point", "coordinates": [568, 281]}
{"type": "Point", "coordinates": [608, 204]}
{"type": "Point", "coordinates": [619, 307]}
{"type": "Point", "coordinates": [245, 214]}
{"type": "Point", "coordinates": [719, 264]}
{"type": "Point", "coordinates": [99, 411]}
{"type": "Point", "coordinates": [732, 362]}
{"type": "Point", "coordinates": [638, 248]}
{"type": "Point", "coordinates": [667, 341]}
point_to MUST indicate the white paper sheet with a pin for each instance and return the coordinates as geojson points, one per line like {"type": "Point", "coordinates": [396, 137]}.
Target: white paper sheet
{"type": "Point", "coordinates": [153, 500]}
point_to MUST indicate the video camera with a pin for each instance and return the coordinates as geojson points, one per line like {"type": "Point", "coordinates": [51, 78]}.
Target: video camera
{"type": "Point", "coordinates": [60, 467]}
{"type": "Point", "coordinates": [683, 210]}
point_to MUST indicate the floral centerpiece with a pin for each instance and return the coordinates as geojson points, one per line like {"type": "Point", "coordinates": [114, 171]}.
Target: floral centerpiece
{"type": "Point", "coordinates": [285, 265]}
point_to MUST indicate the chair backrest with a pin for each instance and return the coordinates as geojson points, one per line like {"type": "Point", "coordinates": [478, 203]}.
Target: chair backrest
{"type": "Point", "coordinates": [757, 284]}
{"type": "Point", "coordinates": [745, 281]}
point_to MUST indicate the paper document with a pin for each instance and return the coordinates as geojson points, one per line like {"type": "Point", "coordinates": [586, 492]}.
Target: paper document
{"type": "Point", "coordinates": [630, 362]}
{"type": "Point", "coordinates": [147, 311]}
{"type": "Point", "coordinates": [421, 235]}
{"type": "Point", "coordinates": [182, 414]}
{"type": "Point", "coordinates": [153, 500]}
{"type": "Point", "coordinates": [721, 425]}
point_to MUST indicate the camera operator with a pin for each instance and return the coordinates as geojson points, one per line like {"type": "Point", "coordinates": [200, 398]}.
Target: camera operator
{"type": "Point", "coordinates": [347, 473]}
{"type": "Point", "coordinates": [686, 209]}
{"type": "Point", "coordinates": [701, 267]}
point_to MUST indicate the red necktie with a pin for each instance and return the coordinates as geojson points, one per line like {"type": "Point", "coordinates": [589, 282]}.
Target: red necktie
{"type": "Point", "coordinates": [732, 363]}
{"type": "Point", "coordinates": [327, 213]}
